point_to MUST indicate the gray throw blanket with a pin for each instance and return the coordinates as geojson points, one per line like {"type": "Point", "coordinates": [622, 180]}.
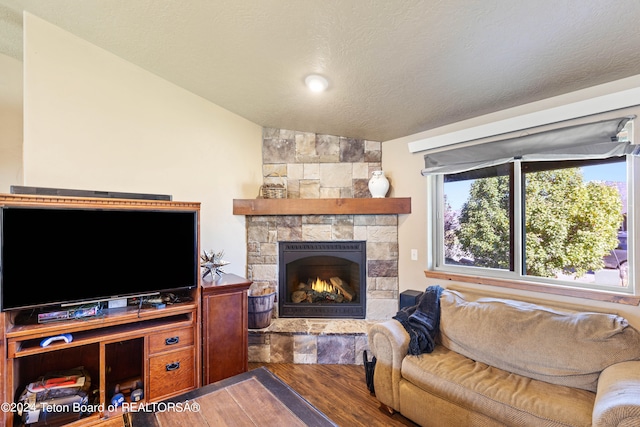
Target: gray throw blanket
{"type": "Point", "coordinates": [422, 321]}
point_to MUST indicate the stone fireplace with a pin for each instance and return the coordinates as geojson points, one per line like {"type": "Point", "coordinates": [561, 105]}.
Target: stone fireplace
{"type": "Point", "coordinates": [322, 279]}
{"type": "Point", "coordinates": [326, 177]}
{"type": "Point", "coordinates": [315, 166]}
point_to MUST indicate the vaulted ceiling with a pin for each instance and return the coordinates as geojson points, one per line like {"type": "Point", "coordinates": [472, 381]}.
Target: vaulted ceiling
{"type": "Point", "coordinates": [395, 67]}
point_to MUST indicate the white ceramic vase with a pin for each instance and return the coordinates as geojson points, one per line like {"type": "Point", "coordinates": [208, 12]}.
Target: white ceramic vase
{"type": "Point", "coordinates": [378, 185]}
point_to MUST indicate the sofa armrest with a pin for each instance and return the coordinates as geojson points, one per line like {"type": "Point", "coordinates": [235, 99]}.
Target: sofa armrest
{"type": "Point", "coordinates": [618, 396]}
{"type": "Point", "coordinates": [389, 343]}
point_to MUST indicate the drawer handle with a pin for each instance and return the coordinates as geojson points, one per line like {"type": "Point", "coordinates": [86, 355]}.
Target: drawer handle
{"type": "Point", "coordinates": [172, 366]}
{"type": "Point", "coordinates": [172, 340]}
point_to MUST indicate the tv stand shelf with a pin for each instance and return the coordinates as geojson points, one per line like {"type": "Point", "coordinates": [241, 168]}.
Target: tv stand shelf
{"type": "Point", "coordinates": [26, 340]}
{"type": "Point", "coordinates": [109, 317]}
{"type": "Point", "coordinates": [159, 349]}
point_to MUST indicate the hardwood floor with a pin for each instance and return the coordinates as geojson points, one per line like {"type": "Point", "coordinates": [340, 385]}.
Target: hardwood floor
{"type": "Point", "coordinates": [339, 391]}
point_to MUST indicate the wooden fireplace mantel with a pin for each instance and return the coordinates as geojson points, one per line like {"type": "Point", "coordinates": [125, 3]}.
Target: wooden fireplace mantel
{"type": "Point", "coordinates": [359, 206]}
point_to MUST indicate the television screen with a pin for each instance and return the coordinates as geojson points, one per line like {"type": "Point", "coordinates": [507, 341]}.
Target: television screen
{"type": "Point", "coordinates": [55, 255]}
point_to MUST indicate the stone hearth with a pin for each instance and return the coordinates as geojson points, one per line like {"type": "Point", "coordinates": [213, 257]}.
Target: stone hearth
{"type": "Point", "coordinates": [310, 341]}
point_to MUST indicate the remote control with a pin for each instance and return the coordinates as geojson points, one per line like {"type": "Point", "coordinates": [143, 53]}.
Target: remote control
{"type": "Point", "coordinates": [64, 337]}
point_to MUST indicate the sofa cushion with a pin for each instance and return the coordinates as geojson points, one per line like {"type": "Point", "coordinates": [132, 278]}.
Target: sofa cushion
{"type": "Point", "coordinates": [560, 347]}
{"type": "Point", "coordinates": [508, 398]}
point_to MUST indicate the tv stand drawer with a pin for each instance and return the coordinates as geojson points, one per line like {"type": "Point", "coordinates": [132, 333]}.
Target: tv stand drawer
{"type": "Point", "coordinates": [170, 340]}
{"type": "Point", "coordinates": [172, 373]}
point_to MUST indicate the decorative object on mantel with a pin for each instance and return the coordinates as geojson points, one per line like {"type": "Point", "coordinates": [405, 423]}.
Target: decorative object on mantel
{"type": "Point", "coordinates": [378, 185]}
{"type": "Point", "coordinates": [273, 190]}
{"type": "Point", "coordinates": [212, 263]}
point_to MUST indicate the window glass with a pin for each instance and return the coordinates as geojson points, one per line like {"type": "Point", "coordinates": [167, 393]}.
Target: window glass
{"type": "Point", "coordinates": [574, 221]}
{"type": "Point", "coordinates": [570, 221]}
{"type": "Point", "coordinates": [478, 218]}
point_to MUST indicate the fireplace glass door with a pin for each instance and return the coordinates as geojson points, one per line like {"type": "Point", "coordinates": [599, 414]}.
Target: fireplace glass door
{"type": "Point", "coordinates": [322, 279]}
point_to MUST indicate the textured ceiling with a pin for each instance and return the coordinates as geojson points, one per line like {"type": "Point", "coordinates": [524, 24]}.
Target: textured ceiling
{"type": "Point", "coordinates": [395, 67]}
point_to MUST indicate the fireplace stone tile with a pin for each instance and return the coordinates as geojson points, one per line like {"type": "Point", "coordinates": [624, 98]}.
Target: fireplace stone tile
{"type": "Point", "coordinates": [334, 193]}
{"type": "Point", "coordinates": [269, 249]}
{"type": "Point", "coordinates": [306, 147]}
{"type": "Point", "coordinates": [279, 150]}
{"type": "Point", "coordinates": [380, 308]}
{"type": "Point", "coordinates": [336, 349]}
{"type": "Point", "coordinates": [316, 232]}
{"type": "Point", "coordinates": [266, 272]}
{"type": "Point", "coordinates": [382, 233]}
{"type": "Point", "coordinates": [288, 221]}
{"type": "Point", "coordinates": [305, 359]}
{"type": "Point", "coordinates": [287, 134]}
{"type": "Point", "coordinates": [253, 248]}
{"type": "Point", "coordinates": [311, 171]}
{"type": "Point", "coordinates": [364, 220]}
{"type": "Point", "coordinates": [382, 268]}
{"type": "Point", "coordinates": [289, 234]}
{"type": "Point", "coordinates": [260, 353]}
{"type": "Point", "coordinates": [305, 349]}
{"type": "Point", "coordinates": [361, 188]}
{"type": "Point", "coordinates": [386, 284]}
{"type": "Point", "coordinates": [359, 233]}
{"type": "Point", "coordinates": [318, 219]}
{"type": "Point", "coordinates": [328, 148]}
{"type": "Point", "coordinates": [281, 348]}
{"type": "Point", "coordinates": [309, 188]}
{"type": "Point", "coordinates": [277, 172]}
{"type": "Point", "coordinates": [293, 189]}
{"type": "Point", "coordinates": [342, 232]}
{"type": "Point", "coordinates": [373, 156]}
{"type": "Point", "coordinates": [351, 150]}
{"type": "Point", "coordinates": [360, 171]}
{"type": "Point", "coordinates": [295, 171]}
{"type": "Point", "coordinates": [258, 233]}
{"type": "Point", "coordinates": [336, 175]}
{"type": "Point", "coordinates": [386, 220]}
{"type": "Point", "coordinates": [382, 250]}
{"type": "Point", "coordinates": [372, 146]}
{"type": "Point", "coordinates": [270, 133]}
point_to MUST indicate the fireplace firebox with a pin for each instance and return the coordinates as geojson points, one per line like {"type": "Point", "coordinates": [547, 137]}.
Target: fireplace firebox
{"type": "Point", "coordinates": [322, 279]}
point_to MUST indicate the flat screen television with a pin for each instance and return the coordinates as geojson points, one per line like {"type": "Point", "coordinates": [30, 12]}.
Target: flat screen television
{"type": "Point", "coordinates": [58, 256]}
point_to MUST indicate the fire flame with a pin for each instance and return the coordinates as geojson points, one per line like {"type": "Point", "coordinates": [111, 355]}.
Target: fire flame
{"type": "Point", "coordinates": [320, 285]}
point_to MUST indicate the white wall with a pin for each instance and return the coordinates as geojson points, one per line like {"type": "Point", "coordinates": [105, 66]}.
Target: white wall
{"type": "Point", "coordinates": [404, 168]}
{"type": "Point", "coordinates": [10, 123]}
{"type": "Point", "coordinates": [94, 121]}
{"type": "Point", "coordinates": [403, 171]}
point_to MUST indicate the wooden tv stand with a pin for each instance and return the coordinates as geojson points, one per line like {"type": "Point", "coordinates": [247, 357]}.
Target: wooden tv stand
{"type": "Point", "coordinates": [161, 346]}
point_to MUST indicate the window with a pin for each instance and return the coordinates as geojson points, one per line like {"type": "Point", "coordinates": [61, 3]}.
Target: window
{"type": "Point", "coordinates": [557, 222]}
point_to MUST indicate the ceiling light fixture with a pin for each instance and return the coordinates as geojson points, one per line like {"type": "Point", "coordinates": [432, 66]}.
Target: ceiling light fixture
{"type": "Point", "coordinates": [316, 83]}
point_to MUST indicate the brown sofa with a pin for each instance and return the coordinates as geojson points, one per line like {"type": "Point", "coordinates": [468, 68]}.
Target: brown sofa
{"type": "Point", "coordinates": [502, 362]}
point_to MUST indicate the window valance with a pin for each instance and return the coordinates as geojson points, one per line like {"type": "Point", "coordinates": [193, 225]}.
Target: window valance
{"type": "Point", "coordinates": [596, 140]}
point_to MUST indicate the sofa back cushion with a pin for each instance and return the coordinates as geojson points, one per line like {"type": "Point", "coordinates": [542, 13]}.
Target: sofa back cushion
{"type": "Point", "coordinates": [557, 346]}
